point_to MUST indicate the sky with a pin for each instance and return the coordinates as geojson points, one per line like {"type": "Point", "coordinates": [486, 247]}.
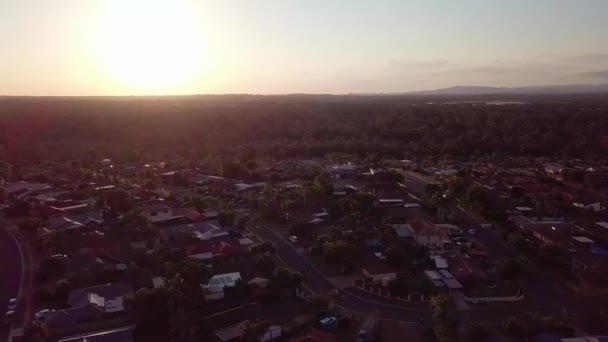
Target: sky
{"type": "Point", "coordinates": [156, 47]}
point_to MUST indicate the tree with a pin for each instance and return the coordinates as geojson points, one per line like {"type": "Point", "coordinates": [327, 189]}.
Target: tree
{"type": "Point", "coordinates": [150, 309]}
{"type": "Point", "coordinates": [253, 331]}
{"type": "Point", "coordinates": [191, 271]}
{"type": "Point", "coordinates": [226, 217]}
{"type": "Point", "coordinates": [529, 325]}
{"type": "Point", "coordinates": [265, 247]}
{"type": "Point", "coordinates": [340, 252]}
{"type": "Point", "coordinates": [510, 270]}
{"type": "Point", "coordinates": [218, 261]}
{"type": "Point", "coordinates": [119, 201]}
{"type": "Point", "coordinates": [444, 324]}
{"type": "Point", "coordinates": [475, 199]}
{"type": "Point", "coordinates": [265, 263]}
{"type": "Point", "coordinates": [35, 332]}
{"type": "Point", "coordinates": [55, 242]}
{"type": "Point", "coordinates": [136, 225]}
{"type": "Point", "coordinates": [318, 303]}
{"type": "Point", "coordinates": [241, 222]}
{"type": "Point", "coordinates": [31, 224]}
{"type": "Point", "coordinates": [138, 276]}
{"type": "Point", "coordinates": [284, 278]}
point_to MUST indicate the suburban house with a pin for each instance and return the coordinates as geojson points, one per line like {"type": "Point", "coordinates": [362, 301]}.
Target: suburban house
{"type": "Point", "coordinates": [588, 203]}
{"type": "Point", "coordinates": [378, 271]}
{"type": "Point", "coordinates": [427, 234]}
{"type": "Point", "coordinates": [18, 190]}
{"type": "Point", "coordinates": [342, 171]}
{"type": "Point", "coordinates": [230, 247]}
{"type": "Point", "coordinates": [234, 332]}
{"type": "Point", "coordinates": [89, 304]}
{"type": "Point", "coordinates": [214, 289]}
{"type": "Point", "coordinates": [124, 334]}
{"type": "Point", "coordinates": [64, 223]}
{"type": "Point", "coordinates": [396, 199]}
{"type": "Point", "coordinates": [463, 268]}
{"type": "Point", "coordinates": [553, 168]}
{"type": "Point", "coordinates": [342, 187]}
{"type": "Point", "coordinates": [158, 212]}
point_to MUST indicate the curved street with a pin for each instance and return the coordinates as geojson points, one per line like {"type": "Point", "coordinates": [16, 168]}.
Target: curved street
{"type": "Point", "coordinates": [317, 282]}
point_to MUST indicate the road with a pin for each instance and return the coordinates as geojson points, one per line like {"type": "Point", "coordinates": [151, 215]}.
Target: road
{"type": "Point", "coordinates": [545, 292]}
{"type": "Point", "coordinates": [318, 283]}
{"type": "Point", "coordinates": [10, 277]}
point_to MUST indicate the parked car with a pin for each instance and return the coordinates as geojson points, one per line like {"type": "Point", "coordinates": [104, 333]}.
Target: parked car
{"type": "Point", "coordinates": [361, 336]}
{"type": "Point", "coordinates": [59, 256]}
{"type": "Point", "coordinates": [9, 316]}
{"type": "Point", "coordinates": [471, 231]}
{"type": "Point", "coordinates": [12, 304]}
{"type": "Point", "coordinates": [294, 239]}
{"type": "Point", "coordinates": [327, 321]}
{"type": "Point", "coordinates": [41, 315]}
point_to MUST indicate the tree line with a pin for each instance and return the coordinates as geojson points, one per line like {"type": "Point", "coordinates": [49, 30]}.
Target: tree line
{"type": "Point", "coordinates": [197, 127]}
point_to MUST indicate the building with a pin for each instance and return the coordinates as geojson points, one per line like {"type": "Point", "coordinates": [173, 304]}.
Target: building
{"type": "Point", "coordinates": [234, 332]}
{"type": "Point", "coordinates": [463, 268]}
{"type": "Point", "coordinates": [230, 247]}
{"type": "Point", "coordinates": [214, 289]}
{"type": "Point", "coordinates": [124, 334]}
{"type": "Point", "coordinates": [378, 271]}
{"type": "Point", "coordinates": [427, 234]}
{"type": "Point", "coordinates": [88, 304]}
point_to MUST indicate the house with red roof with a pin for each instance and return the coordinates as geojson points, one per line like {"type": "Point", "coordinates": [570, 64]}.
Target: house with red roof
{"type": "Point", "coordinates": [231, 247]}
{"type": "Point", "coordinates": [427, 234]}
{"type": "Point", "coordinates": [376, 269]}
{"type": "Point", "coordinates": [464, 268]}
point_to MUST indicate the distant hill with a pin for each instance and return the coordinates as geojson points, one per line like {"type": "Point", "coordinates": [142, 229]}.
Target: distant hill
{"type": "Point", "coordinates": [534, 90]}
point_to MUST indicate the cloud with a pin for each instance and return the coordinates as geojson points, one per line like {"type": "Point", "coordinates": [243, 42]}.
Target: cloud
{"type": "Point", "coordinates": [602, 74]}
{"type": "Point", "coordinates": [587, 60]}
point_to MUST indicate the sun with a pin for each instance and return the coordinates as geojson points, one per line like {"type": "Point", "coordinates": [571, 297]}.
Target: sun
{"type": "Point", "coordinates": [148, 44]}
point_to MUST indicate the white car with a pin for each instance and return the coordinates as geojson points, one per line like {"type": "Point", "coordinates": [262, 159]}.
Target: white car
{"type": "Point", "coordinates": [328, 321]}
{"type": "Point", "coordinates": [12, 304]}
{"type": "Point", "coordinates": [9, 316]}
{"type": "Point", "coordinates": [59, 256]}
{"type": "Point", "coordinates": [294, 239]}
{"type": "Point", "coordinates": [471, 231]}
{"type": "Point", "coordinates": [41, 315]}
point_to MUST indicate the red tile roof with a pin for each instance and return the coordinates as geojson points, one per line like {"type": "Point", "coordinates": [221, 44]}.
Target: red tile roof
{"type": "Point", "coordinates": [422, 227]}
{"type": "Point", "coordinates": [463, 268]}
{"type": "Point", "coordinates": [190, 213]}
{"type": "Point", "coordinates": [228, 246]}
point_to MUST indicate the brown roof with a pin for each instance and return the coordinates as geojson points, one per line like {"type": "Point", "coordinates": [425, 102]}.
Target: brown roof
{"type": "Point", "coordinates": [373, 265]}
{"type": "Point", "coordinates": [423, 227]}
{"type": "Point", "coordinates": [461, 267]}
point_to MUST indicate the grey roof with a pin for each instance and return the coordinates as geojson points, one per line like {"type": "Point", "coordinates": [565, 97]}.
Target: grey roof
{"type": "Point", "coordinates": [124, 334]}
{"type": "Point", "coordinates": [79, 297]}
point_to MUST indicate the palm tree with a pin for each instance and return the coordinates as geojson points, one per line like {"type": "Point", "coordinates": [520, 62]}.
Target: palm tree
{"type": "Point", "coordinates": [253, 331]}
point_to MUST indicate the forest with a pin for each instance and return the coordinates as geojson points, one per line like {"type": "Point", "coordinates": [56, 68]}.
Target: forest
{"type": "Point", "coordinates": [142, 128]}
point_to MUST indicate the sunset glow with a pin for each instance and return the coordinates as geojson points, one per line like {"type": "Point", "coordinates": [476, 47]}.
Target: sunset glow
{"type": "Point", "coordinates": [153, 45]}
